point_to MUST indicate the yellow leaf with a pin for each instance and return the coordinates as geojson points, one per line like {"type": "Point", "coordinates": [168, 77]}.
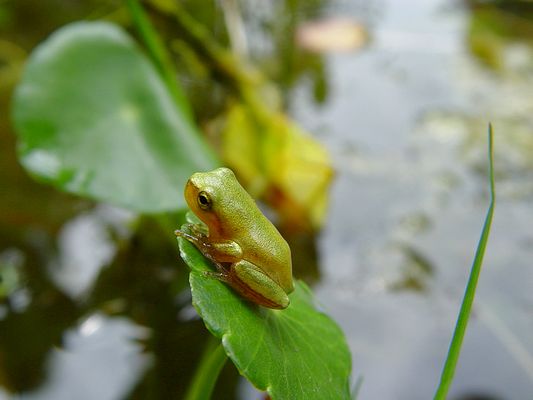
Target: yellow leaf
{"type": "Point", "coordinates": [278, 161]}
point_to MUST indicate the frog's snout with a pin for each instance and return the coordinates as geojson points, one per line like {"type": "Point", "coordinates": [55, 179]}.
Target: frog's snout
{"type": "Point", "coordinates": [190, 192]}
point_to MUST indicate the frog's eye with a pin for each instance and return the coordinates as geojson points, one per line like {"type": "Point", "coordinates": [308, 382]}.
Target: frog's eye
{"type": "Point", "coordinates": [204, 201]}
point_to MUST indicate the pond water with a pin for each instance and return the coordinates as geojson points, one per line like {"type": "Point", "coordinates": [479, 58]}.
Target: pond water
{"type": "Point", "coordinates": [406, 123]}
{"type": "Point", "coordinates": [405, 120]}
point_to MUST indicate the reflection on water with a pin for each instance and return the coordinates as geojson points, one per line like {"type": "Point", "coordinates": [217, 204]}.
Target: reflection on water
{"type": "Point", "coordinates": [101, 356]}
{"type": "Point", "coordinates": [86, 245]}
{"type": "Point", "coordinates": [407, 124]}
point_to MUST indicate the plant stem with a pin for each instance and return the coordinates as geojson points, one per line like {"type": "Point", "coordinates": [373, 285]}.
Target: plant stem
{"type": "Point", "coordinates": [206, 375]}
{"type": "Point", "coordinates": [357, 388]}
{"type": "Point", "coordinates": [226, 65]}
{"type": "Point", "coordinates": [158, 53]}
{"type": "Point", "coordinates": [468, 299]}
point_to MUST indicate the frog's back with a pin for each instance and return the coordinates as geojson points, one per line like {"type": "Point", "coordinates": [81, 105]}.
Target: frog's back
{"type": "Point", "coordinates": [261, 242]}
{"type": "Point", "coordinates": [264, 246]}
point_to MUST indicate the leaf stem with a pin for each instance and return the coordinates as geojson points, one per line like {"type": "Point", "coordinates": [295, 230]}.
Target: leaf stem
{"type": "Point", "coordinates": [206, 375]}
{"type": "Point", "coordinates": [468, 299]}
{"type": "Point", "coordinates": [158, 53]}
{"type": "Point", "coordinates": [240, 75]}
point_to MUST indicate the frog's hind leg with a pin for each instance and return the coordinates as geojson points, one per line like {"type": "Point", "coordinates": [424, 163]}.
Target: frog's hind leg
{"type": "Point", "coordinates": [252, 283]}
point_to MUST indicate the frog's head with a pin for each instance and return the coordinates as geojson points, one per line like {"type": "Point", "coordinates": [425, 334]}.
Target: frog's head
{"type": "Point", "coordinates": [207, 193]}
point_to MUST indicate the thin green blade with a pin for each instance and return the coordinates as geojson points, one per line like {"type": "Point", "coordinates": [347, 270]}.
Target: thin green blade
{"type": "Point", "coordinates": [468, 299]}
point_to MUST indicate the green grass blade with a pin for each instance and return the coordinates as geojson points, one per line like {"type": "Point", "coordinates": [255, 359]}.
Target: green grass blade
{"type": "Point", "coordinates": [464, 313]}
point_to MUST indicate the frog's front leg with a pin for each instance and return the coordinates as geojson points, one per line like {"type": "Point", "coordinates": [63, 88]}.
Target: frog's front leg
{"type": "Point", "coordinates": [219, 252]}
{"type": "Point", "coordinates": [252, 283]}
{"type": "Point", "coordinates": [197, 231]}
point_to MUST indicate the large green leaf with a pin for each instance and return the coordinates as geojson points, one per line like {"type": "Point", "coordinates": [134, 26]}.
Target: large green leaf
{"type": "Point", "coordinates": [94, 118]}
{"type": "Point", "coordinates": [296, 353]}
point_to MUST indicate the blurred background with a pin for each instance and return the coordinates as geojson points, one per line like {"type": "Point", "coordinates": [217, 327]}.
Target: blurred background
{"type": "Point", "coordinates": [94, 301]}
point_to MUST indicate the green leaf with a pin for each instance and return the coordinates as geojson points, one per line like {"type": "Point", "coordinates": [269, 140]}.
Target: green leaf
{"type": "Point", "coordinates": [94, 118]}
{"type": "Point", "coordinates": [296, 353]}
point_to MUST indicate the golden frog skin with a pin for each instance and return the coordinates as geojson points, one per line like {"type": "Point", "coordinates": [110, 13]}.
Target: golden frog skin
{"type": "Point", "coordinates": [248, 251]}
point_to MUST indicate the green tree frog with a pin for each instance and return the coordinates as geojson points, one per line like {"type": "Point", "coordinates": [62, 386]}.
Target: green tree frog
{"type": "Point", "coordinates": [248, 251]}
